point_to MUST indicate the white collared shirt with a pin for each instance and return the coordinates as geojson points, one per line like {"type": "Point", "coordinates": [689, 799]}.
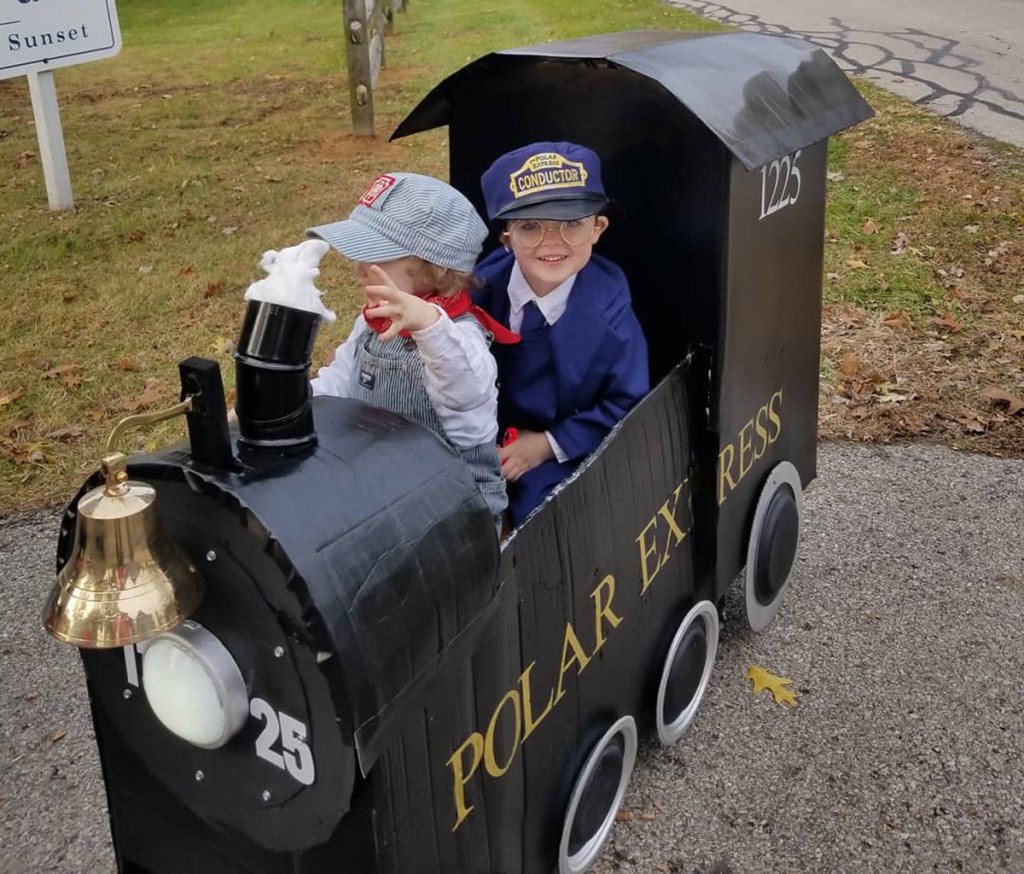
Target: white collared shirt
{"type": "Point", "coordinates": [552, 307]}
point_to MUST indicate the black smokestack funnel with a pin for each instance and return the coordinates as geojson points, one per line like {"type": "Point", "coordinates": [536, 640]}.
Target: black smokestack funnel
{"type": "Point", "coordinates": [273, 396]}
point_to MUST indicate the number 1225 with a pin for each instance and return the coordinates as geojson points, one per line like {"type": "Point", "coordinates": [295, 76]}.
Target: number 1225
{"type": "Point", "coordinates": [779, 176]}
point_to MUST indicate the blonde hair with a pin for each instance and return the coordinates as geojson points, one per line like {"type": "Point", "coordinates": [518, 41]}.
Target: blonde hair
{"type": "Point", "coordinates": [446, 281]}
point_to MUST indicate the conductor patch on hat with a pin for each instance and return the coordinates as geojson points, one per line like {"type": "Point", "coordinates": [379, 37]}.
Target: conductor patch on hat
{"type": "Point", "coordinates": [547, 171]}
{"type": "Point", "coordinates": [377, 188]}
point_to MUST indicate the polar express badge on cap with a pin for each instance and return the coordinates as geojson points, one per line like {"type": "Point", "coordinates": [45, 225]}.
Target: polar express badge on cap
{"type": "Point", "coordinates": [547, 171]}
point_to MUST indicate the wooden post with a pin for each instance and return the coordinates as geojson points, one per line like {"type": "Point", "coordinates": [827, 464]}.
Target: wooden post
{"type": "Point", "coordinates": [378, 24]}
{"type": "Point", "coordinates": [360, 74]}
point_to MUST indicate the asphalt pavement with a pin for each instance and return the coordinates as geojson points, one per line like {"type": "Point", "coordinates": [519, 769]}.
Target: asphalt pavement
{"type": "Point", "coordinates": [901, 633]}
{"type": "Point", "coordinates": [961, 60]}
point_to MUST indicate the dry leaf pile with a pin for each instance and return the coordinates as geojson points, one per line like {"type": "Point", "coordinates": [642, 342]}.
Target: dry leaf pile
{"type": "Point", "coordinates": [953, 370]}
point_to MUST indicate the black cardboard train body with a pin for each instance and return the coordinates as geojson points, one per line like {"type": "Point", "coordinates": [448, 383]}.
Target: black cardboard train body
{"type": "Point", "coordinates": [420, 699]}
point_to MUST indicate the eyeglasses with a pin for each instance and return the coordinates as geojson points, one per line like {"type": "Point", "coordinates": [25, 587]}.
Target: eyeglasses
{"type": "Point", "coordinates": [530, 232]}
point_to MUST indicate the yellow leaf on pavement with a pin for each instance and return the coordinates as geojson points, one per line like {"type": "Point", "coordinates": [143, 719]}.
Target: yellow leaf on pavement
{"type": "Point", "coordinates": [776, 685]}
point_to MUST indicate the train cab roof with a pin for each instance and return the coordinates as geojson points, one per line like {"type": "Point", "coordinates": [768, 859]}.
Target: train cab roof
{"type": "Point", "coordinates": [761, 96]}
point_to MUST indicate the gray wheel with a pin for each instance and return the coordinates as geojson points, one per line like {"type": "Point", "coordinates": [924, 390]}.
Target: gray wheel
{"type": "Point", "coordinates": [774, 536]}
{"type": "Point", "coordinates": [597, 796]}
{"type": "Point", "coordinates": [687, 671]}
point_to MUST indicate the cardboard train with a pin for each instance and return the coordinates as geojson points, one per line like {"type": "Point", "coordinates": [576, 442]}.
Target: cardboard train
{"type": "Point", "coordinates": [392, 689]}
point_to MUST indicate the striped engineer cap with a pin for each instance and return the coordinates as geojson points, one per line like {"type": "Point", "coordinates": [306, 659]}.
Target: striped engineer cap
{"type": "Point", "coordinates": [404, 214]}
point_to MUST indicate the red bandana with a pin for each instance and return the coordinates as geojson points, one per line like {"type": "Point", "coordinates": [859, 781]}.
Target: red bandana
{"type": "Point", "coordinates": [456, 305]}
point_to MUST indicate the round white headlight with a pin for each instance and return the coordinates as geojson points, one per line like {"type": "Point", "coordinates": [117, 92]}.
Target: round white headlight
{"type": "Point", "coordinates": [194, 687]}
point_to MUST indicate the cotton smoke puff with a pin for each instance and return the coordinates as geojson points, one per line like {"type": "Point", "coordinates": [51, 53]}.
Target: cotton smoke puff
{"type": "Point", "coordinates": [290, 275]}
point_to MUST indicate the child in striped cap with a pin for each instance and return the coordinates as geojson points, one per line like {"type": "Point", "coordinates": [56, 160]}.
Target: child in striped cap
{"type": "Point", "coordinates": [420, 347]}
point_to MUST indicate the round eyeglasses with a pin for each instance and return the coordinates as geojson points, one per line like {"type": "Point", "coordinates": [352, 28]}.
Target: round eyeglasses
{"type": "Point", "coordinates": [530, 232]}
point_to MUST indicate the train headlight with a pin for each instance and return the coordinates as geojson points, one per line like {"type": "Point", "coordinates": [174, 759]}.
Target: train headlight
{"type": "Point", "coordinates": [194, 687]}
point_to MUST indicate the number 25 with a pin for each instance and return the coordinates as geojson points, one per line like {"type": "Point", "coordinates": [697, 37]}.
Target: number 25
{"type": "Point", "coordinates": [295, 756]}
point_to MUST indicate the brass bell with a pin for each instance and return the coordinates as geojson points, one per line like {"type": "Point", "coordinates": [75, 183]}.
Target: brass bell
{"type": "Point", "coordinates": [126, 580]}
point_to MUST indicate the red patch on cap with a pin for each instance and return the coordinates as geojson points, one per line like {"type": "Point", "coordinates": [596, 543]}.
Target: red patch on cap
{"type": "Point", "coordinates": [379, 185]}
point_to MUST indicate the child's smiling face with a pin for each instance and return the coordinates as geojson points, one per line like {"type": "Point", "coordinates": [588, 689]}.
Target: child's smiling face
{"type": "Point", "coordinates": [550, 262]}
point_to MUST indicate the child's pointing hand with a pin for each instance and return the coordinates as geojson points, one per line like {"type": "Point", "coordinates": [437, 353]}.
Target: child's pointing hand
{"type": "Point", "coordinates": [387, 301]}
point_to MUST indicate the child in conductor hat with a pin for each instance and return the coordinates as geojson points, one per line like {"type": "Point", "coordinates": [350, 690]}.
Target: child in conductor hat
{"type": "Point", "coordinates": [582, 362]}
{"type": "Point", "coordinates": [419, 347]}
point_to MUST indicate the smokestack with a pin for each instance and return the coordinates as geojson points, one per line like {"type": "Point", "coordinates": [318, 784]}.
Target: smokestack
{"type": "Point", "coordinates": [275, 347]}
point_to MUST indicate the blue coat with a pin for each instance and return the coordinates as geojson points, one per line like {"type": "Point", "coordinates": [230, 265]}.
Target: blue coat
{"type": "Point", "coordinates": [591, 371]}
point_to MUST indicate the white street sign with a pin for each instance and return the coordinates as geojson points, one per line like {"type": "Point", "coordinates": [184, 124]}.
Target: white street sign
{"type": "Point", "coordinates": [40, 35]}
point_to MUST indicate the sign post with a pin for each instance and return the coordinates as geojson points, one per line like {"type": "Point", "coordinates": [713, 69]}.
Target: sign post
{"type": "Point", "coordinates": [36, 37]}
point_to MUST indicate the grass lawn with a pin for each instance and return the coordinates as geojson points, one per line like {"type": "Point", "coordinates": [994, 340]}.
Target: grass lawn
{"type": "Point", "coordinates": [222, 130]}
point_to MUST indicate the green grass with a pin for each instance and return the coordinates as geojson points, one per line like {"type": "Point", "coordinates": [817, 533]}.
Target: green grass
{"type": "Point", "coordinates": [222, 129]}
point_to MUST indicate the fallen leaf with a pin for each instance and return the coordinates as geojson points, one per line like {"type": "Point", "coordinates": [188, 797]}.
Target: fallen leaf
{"type": "Point", "coordinates": [997, 253]}
{"type": "Point", "coordinates": [899, 244]}
{"type": "Point", "coordinates": [213, 287]}
{"type": "Point", "coordinates": [972, 229]}
{"type": "Point", "coordinates": [15, 428]}
{"type": "Point", "coordinates": [187, 270]}
{"type": "Point", "coordinates": [61, 370]}
{"type": "Point", "coordinates": [30, 696]}
{"type": "Point", "coordinates": [11, 396]}
{"type": "Point", "coordinates": [146, 269]}
{"type": "Point", "coordinates": [850, 364]}
{"type": "Point", "coordinates": [623, 816]}
{"type": "Point", "coordinates": [72, 432]}
{"type": "Point", "coordinates": [136, 236]}
{"type": "Point", "coordinates": [1013, 404]}
{"type": "Point", "coordinates": [25, 158]}
{"type": "Point", "coordinates": [834, 277]}
{"type": "Point", "coordinates": [150, 395]}
{"type": "Point", "coordinates": [856, 264]}
{"type": "Point", "coordinates": [775, 684]}
{"type": "Point", "coordinates": [227, 232]}
{"type": "Point", "coordinates": [947, 321]}
{"type": "Point", "coordinates": [896, 319]}
{"type": "Point", "coordinates": [971, 423]}
{"type": "Point", "coordinates": [127, 364]}
{"type": "Point", "coordinates": [57, 735]}
{"type": "Point", "coordinates": [870, 227]}
{"type": "Point", "coordinates": [224, 346]}
{"type": "Point", "coordinates": [894, 397]}
{"type": "Point", "coordinates": [69, 295]}
{"type": "Point", "coordinates": [835, 177]}
{"type": "Point", "coordinates": [1018, 298]}
{"type": "Point", "coordinates": [913, 424]}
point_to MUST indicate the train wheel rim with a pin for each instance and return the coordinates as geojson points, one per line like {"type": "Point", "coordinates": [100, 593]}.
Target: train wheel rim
{"type": "Point", "coordinates": [574, 856]}
{"type": "Point", "coordinates": [781, 498]}
{"type": "Point", "coordinates": [704, 612]}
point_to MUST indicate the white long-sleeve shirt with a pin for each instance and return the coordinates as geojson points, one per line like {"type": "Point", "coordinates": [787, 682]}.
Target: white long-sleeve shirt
{"type": "Point", "coordinates": [459, 373]}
